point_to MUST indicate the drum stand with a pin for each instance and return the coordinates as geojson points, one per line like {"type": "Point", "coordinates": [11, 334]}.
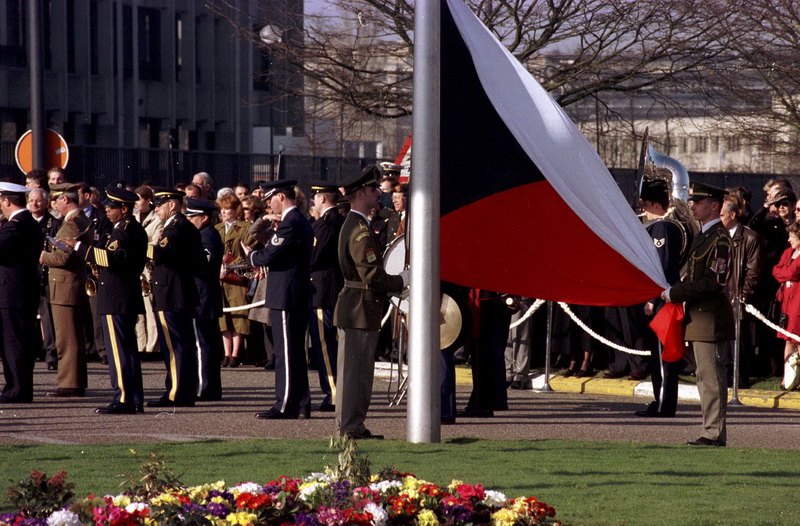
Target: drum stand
{"type": "Point", "coordinates": [402, 378]}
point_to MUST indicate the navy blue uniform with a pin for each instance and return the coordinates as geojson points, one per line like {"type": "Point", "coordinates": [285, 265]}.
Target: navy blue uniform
{"type": "Point", "coordinates": [206, 324]}
{"type": "Point", "coordinates": [177, 258]}
{"type": "Point", "coordinates": [288, 257]}
{"type": "Point", "coordinates": [326, 282]}
{"type": "Point", "coordinates": [21, 242]}
{"type": "Point", "coordinates": [120, 260]}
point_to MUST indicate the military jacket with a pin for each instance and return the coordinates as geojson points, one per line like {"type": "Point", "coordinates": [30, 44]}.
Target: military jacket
{"type": "Point", "coordinates": [21, 242]}
{"type": "Point", "coordinates": [326, 276]}
{"type": "Point", "coordinates": [363, 300]}
{"type": "Point", "coordinates": [708, 313]}
{"type": "Point", "coordinates": [67, 272]}
{"type": "Point", "coordinates": [120, 260]}
{"type": "Point", "coordinates": [208, 284]}
{"type": "Point", "coordinates": [288, 259]}
{"type": "Point", "coordinates": [177, 258]}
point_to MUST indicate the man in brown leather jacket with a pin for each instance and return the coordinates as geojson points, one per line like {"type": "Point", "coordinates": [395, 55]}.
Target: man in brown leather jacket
{"type": "Point", "coordinates": [361, 305]}
{"type": "Point", "coordinates": [709, 317]}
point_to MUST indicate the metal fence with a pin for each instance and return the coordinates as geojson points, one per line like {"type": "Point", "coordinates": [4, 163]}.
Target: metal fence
{"type": "Point", "coordinates": [101, 166]}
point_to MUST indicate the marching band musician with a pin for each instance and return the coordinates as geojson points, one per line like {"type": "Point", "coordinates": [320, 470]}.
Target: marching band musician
{"type": "Point", "coordinates": [21, 242]}
{"type": "Point", "coordinates": [120, 261]}
{"type": "Point", "coordinates": [177, 258]}
{"type": "Point", "coordinates": [288, 296]}
{"type": "Point", "coordinates": [360, 305]}
{"type": "Point", "coordinates": [68, 294]}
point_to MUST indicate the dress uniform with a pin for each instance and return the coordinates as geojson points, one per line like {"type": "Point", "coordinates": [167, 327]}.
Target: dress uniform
{"type": "Point", "coordinates": [68, 297]}
{"type": "Point", "coordinates": [177, 258]}
{"type": "Point", "coordinates": [49, 225]}
{"type": "Point", "coordinates": [120, 259]}
{"type": "Point", "coordinates": [208, 312]}
{"type": "Point", "coordinates": [360, 306]}
{"type": "Point", "coordinates": [288, 296]}
{"type": "Point", "coordinates": [709, 316]}
{"type": "Point", "coordinates": [21, 242]}
{"type": "Point", "coordinates": [326, 282]}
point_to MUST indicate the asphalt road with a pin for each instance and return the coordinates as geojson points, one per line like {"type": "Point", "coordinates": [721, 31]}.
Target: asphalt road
{"type": "Point", "coordinates": [531, 415]}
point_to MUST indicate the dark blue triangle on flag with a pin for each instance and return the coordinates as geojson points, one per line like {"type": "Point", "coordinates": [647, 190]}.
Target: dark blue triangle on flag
{"type": "Point", "coordinates": [527, 206]}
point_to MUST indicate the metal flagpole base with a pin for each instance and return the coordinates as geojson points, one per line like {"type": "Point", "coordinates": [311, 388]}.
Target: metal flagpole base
{"type": "Point", "coordinates": [548, 349]}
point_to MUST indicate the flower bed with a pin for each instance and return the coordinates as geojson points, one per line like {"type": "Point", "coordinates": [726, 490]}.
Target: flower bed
{"type": "Point", "coordinates": [392, 499]}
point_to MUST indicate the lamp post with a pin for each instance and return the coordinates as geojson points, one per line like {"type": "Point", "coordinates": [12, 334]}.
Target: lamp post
{"type": "Point", "coordinates": [271, 36]}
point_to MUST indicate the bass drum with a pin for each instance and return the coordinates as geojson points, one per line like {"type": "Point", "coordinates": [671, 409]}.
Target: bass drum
{"type": "Point", "coordinates": [456, 319]}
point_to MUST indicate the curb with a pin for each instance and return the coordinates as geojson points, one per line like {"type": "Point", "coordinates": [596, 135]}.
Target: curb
{"type": "Point", "coordinates": [623, 388]}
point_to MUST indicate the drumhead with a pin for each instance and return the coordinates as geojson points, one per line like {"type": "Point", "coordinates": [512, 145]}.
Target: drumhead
{"type": "Point", "coordinates": [394, 262]}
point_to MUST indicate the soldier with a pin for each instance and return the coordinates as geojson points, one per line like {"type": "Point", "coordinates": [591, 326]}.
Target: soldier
{"type": "Point", "coordinates": [120, 260]}
{"type": "Point", "coordinates": [288, 257]}
{"type": "Point", "coordinates": [709, 317]}
{"type": "Point", "coordinates": [326, 282]}
{"type": "Point", "coordinates": [206, 324]}
{"type": "Point", "coordinates": [360, 306]}
{"type": "Point", "coordinates": [68, 295]}
{"type": "Point", "coordinates": [177, 258]}
{"type": "Point", "coordinates": [21, 242]}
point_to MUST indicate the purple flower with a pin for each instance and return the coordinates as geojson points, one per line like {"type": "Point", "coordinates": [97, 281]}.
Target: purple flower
{"type": "Point", "coordinates": [8, 518]}
{"type": "Point", "coordinates": [456, 513]}
{"type": "Point", "coordinates": [34, 522]}
{"type": "Point", "coordinates": [219, 510]}
{"type": "Point", "coordinates": [341, 493]}
{"type": "Point", "coordinates": [272, 490]}
{"type": "Point", "coordinates": [224, 494]}
{"type": "Point", "coordinates": [194, 508]}
{"type": "Point", "coordinates": [306, 519]}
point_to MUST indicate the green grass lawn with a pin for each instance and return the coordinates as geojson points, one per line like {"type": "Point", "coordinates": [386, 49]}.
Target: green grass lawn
{"type": "Point", "coordinates": [589, 483]}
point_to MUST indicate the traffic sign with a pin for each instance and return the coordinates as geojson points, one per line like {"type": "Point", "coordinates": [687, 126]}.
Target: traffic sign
{"type": "Point", "coordinates": [55, 148]}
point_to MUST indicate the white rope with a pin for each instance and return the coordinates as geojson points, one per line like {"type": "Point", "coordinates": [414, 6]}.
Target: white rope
{"type": "Point", "coordinates": [531, 310]}
{"type": "Point", "coordinates": [244, 307]}
{"type": "Point", "coordinates": [597, 336]}
{"type": "Point", "coordinates": [388, 313]}
{"type": "Point", "coordinates": [755, 312]}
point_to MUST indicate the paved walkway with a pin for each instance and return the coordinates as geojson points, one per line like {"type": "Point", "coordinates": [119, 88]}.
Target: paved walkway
{"type": "Point", "coordinates": [584, 409]}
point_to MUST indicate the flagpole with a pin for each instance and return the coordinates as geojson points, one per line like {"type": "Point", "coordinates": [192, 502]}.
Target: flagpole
{"type": "Point", "coordinates": [424, 398]}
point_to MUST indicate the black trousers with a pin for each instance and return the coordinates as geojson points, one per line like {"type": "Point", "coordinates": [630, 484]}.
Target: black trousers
{"type": "Point", "coordinates": [208, 341]}
{"type": "Point", "coordinates": [324, 351]}
{"type": "Point", "coordinates": [17, 334]}
{"type": "Point", "coordinates": [124, 364]}
{"type": "Point", "coordinates": [178, 348]}
{"type": "Point", "coordinates": [291, 370]}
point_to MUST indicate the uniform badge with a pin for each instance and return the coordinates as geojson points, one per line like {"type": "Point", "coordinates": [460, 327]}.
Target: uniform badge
{"type": "Point", "coordinates": [720, 266]}
{"type": "Point", "coordinates": [113, 245]}
{"type": "Point", "coordinates": [164, 242]}
{"type": "Point", "coordinates": [277, 241]}
{"type": "Point", "coordinates": [362, 226]}
{"type": "Point", "coordinates": [659, 242]}
{"type": "Point", "coordinates": [371, 257]}
{"type": "Point", "coordinates": [362, 235]}
{"type": "Point", "coordinates": [315, 242]}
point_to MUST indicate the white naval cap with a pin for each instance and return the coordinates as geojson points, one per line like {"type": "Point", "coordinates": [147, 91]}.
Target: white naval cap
{"type": "Point", "coordinates": [13, 189]}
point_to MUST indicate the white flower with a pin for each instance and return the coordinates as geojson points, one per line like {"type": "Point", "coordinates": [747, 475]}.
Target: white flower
{"type": "Point", "coordinates": [133, 507]}
{"type": "Point", "coordinates": [318, 477]}
{"type": "Point", "coordinates": [308, 489]}
{"type": "Point", "coordinates": [379, 515]}
{"type": "Point", "coordinates": [494, 498]}
{"type": "Point", "coordinates": [64, 518]}
{"type": "Point", "coordinates": [247, 487]}
{"type": "Point", "coordinates": [384, 486]}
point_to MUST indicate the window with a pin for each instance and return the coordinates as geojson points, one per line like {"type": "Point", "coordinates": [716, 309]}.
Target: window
{"type": "Point", "coordinates": [261, 69]}
{"type": "Point", "coordinates": [701, 144]}
{"type": "Point", "coordinates": [12, 35]}
{"type": "Point", "coordinates": [178, 47]}
{"type": "Point", "coordinates": [734, 143]}
{"type": "Point", "coordinates": [94, 58]}
{"type": "Point", "coordinates": [149, 44]}
{"type": "Point", "coordinates": [127, 41]}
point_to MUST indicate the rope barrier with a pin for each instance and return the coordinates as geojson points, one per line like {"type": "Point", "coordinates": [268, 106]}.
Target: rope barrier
{"type": "Point", "coordinates": [533, 308]}
{"type": "Point", "coordinates": [244, 307]}
{"type": "Point", "coordinates": [759, 316]}
{"type": "Point", "coordinates": [596, 336]}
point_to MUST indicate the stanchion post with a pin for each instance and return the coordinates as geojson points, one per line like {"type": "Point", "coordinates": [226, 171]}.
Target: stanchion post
{"type": "Point", "coordinates": [737, 347]}
{"type": "Point", "coordinates": [548, 349]}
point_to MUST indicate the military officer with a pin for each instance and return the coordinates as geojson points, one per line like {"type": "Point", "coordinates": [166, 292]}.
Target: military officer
{"type": "Point", "coordinates": [709, 316]}
{"type": "Point", "coordinates": [120, 259]}
{"type": "Point", "coordinates": [21, 242]}
{"type": "Point", "coordinates": [177, 258]}
{"type": "Point", "coordinates": [206, 323]}
{"type": "Point", "coordinates": [360, 306]}
{"type": "Point", "coordinates": [288, 258]}
{"type": "Point", "coordinates": [326, 282]}
{"type": "Point", "coordinates": [68, 299]}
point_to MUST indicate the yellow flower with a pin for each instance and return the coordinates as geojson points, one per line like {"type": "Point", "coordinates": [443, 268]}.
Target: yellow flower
{"type": "Point", "coordinates": [243, 518]}
{"type": "Point", "coordinates": [166, 498]}
{"type": "Point", "coordinates": [504, 517]}
{"type": "Point", "coordinates": [453, 485]}
{"type": "Point", "coordinates": [122, 500]}
{"type": "Point", "coordinates": [427, 518]}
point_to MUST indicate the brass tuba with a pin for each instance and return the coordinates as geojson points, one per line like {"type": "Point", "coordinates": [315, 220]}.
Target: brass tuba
{"type": "Point", "coordinates": [146, 287]}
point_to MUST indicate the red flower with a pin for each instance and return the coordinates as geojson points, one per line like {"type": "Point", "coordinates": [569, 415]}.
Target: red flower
{"type": "Point", "coordinates": [468, 492]}
{"type": "Point", "coordinates": [252, 501]}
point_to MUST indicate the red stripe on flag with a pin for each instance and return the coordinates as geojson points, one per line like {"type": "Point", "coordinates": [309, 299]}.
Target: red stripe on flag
{"type": "Point", "coordinates": [527, 241]}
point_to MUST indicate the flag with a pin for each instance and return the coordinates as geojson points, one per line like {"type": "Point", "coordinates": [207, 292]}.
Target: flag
{"type": "Point", "coordinates": [527, 205]}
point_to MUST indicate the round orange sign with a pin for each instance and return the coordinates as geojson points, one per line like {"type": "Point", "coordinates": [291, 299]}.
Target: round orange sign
{"type": "Point", "coordinates": [55, 148]}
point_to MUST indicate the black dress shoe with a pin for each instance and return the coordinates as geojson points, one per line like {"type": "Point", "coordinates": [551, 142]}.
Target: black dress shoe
{"type": "Point", "coordinates": [116, 408]}
{"type": "Point", "coordinates": [638, 376]}
{"type": "Point", "coordinates": [52, 367]}
{"type": "Point", "coordinates": [613, 374]}
{"type": "Point", "coordinates": [166, 402]}
{"type": "Point", "coordinates": [569, 372]}
{"type": "Point", "coordinates": [140, 408]}
{"type": "Point", "coordinates": [703, 441]}
{"type": "Point", "coordinates": [326, 407]}
{"type": "Point", "coordinates": [104, 360]}
{"type": "Point", "coordinates": [584, 373]}
{"type": "Point", "coordinates": [448, 421]}
{"type": "Point", "coordinates": [209, 398]}
{"type": "Point", "coordinates": [274, 414]}
{"type": "Point", "coordinates": [67, 392]}
{"type": "Point", "coordinates": [366, 435]}
{"type": "Point", "coordinates": [8, 400]}
{"type": "Point", "coordinates": [476, 413]}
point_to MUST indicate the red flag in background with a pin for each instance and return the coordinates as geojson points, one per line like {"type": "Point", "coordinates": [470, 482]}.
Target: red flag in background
{"type": "Point", "coordinates": [668, 326]}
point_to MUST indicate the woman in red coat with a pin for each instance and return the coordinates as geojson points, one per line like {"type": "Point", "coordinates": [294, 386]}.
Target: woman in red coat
{"type": "Point", "coordinates": [787, 272]}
